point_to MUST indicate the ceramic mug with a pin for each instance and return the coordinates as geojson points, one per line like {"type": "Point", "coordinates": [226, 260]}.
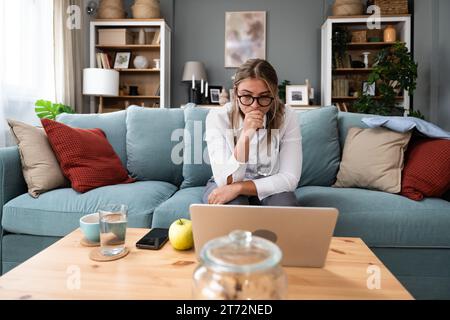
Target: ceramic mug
{"type": "Point", "coordinates": [90, 226]}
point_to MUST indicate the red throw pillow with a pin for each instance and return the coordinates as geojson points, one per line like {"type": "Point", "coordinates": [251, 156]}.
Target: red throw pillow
{"type": "Point", "coordinates": [85, 156]}
{"type": "Point", "coordinates": [427, 169]}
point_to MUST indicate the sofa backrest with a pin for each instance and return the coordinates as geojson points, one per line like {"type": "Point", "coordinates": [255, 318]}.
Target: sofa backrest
{"type": "Point", "coordinates": [347, 120]}
{"type": "Point", "coordinates": [320, 144]}
{"type": "Point", "coordinates": [154, 142]}
{"type": "Point", "coordinates": [113, 124]}
{"type": "Point", "coordinates": [162, 144]}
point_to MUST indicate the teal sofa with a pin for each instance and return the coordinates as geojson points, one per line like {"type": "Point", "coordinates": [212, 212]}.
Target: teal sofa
{"type": "Point", "coordinates": [160, 148]}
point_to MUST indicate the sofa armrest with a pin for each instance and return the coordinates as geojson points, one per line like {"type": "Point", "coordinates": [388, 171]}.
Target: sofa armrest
{"type": "Point", "coordinates": [12, 183]}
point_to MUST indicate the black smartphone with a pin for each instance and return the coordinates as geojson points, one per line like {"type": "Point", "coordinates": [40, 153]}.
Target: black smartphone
{"type": "Point", "coordinates": [154, 239]}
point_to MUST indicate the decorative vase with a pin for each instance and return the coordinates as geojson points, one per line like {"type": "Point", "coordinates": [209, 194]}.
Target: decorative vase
{"type": "Point", "coordinates": [146, 9]}
{"type": "Point", "coordinates": [390, 34]}
{"type": "Point", "coordinates": [141, 38]}
{"type": "Point", "coordinates": [140, 62]}
{"type": "Point", "coordinates": [111, 9]}
{"type": "Point", "coordinates": [366, 59]}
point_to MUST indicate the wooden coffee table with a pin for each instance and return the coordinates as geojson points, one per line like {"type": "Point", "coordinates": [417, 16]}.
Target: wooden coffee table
{"type": "Point", "coordinates": [64, 271]}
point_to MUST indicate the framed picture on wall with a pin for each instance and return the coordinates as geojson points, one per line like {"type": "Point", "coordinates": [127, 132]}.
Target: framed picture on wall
{"type": "Point", "coordinates": [245, 37]}
{"type": "Point", "coordinates": [297, 95]}
{"type": "Point", "coordinates": [214, 94]}
{"type": "Point", "coordinates": [368, 89]}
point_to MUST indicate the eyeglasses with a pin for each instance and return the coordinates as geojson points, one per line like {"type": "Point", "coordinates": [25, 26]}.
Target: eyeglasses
{"type": "Point", "coordinates": [247, 100]}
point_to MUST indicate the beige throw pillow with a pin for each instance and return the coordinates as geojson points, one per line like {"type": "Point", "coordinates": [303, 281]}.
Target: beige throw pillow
{"type": "Point", "coordinates": [373, 159]}
{"type": "Point", "coordinates": [39, 165]}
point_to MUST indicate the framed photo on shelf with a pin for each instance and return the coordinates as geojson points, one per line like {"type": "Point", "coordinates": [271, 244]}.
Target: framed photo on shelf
{"type": "Point", "coordinates": [214, 94]}
{"type": "Point", "coordinates": [122, 60]}
{"type": "Point", "coordinates": [297, 95]}
{"type": "Point", "coordinates": [245, 37]}
{"type": "Point", "coordinates": [368, 89]}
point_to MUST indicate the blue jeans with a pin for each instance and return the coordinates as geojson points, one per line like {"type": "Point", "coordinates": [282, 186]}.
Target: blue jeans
{"type": "Point", "coordinates": [285, 199]}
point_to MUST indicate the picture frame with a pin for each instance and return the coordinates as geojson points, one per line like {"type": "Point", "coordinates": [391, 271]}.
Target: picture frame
{"type": "Point", "coordinates": [368, 89]}
{"type": "Point", "coordinates": [297, 95]}
{"type": "Point", "coordinates": [122, 60]}
{"type": "Point", "coordinates": [214, 94]}
{"type": "Point", "coordinates": [245, 37]}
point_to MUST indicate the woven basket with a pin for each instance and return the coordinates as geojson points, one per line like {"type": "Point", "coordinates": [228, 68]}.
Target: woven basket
{"type": "Point", "coordinates": [348, 9]}
{"type": "Point", "coordinates": [391, 6]}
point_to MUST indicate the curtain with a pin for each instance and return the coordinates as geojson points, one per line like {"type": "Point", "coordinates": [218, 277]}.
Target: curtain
{"type": "Point", "coordinates": [70, 39]}
{"type": "Point", "coordinates": [26, 60]}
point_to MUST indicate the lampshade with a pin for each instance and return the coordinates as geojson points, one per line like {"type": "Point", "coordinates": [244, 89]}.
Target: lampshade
{"type": "Point", "coordinates": [100, 82]}
{"type": "Point", "coordinates": [195, 68]}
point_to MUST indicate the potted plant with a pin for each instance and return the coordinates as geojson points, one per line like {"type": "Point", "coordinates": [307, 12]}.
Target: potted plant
{"type": "Point", "coordinates": [49, 110]}
{"type": "Point", "coordinates": [394, 70]}
{"type": "Point", "coordinates": [282, 90]}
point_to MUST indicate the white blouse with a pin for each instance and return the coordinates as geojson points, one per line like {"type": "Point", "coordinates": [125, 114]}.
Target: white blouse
{"type": "Point", "coordinates": [275, 173]}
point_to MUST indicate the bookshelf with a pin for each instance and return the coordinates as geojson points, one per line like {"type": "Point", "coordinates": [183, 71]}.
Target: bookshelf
{"type": "Point", "coordinates": [153, 84]}
{"type": "Point", "coordinates": [339, 81]}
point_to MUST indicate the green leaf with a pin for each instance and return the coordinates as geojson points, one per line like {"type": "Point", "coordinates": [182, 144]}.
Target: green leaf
{"type": "Point", "coordinates": [49, 110]}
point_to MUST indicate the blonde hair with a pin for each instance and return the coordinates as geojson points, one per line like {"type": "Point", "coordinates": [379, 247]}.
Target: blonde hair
{"type": "Point", "coordinates": [263, 70]}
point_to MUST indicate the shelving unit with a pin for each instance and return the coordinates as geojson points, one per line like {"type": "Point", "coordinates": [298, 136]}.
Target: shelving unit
{"type": "Point", "coordinates": [150, 81]}
{"type": "Point", "coordinates": [402, 24]}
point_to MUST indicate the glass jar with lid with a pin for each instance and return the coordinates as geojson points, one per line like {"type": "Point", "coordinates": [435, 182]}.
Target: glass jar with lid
{"type": "Point", "coordinates": [239, 267]}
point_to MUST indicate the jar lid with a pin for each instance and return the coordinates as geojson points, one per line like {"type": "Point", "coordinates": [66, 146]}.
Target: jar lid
{"type": "Point", "coordinates": [240, 252]}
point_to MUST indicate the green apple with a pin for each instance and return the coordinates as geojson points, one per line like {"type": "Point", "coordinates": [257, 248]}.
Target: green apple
{"type": "Point", "coordinates": [180, 234]}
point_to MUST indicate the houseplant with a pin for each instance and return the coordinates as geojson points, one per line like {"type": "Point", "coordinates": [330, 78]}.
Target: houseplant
{"type": "Point", "coordinates": [282, 90]}
{"type": "Point", "coordinates": [394, 70]}
{"type": "Point", "coordinates": [49, 110]}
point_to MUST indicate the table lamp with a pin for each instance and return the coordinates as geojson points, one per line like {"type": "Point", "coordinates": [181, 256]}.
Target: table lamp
{"type": "Point", "coordinates": [194, 71]}
{"type": "Point", "coordinates": [100, 82]}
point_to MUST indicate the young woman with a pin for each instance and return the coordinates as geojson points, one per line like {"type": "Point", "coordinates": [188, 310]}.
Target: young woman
{"type": "Point", "coordinates": [254, 143]}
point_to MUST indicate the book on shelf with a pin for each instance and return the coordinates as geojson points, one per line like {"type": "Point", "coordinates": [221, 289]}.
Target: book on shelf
{"type": "Point", "coordinates": [99, 60]}
{"type": "Point", "coordinates": [103, 60]}
{"type": "Point", "coordinates": [157, 37]}
{"type": "Point", "coordinates": [149, 36]}
{"type": "Point", "coordinates": [158, 91]}
{"type": "Point", "coordinates": [340, 88]}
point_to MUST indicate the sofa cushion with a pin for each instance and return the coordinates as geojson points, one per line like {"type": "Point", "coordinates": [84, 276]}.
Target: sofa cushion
{"type": "Point", "coordinates": [176, 207]}
{"type": "Point", "coordinates": [320, 146]}
{"type": "Point", "coordinates": [427, 169]}
{"type": "Point", "coordinates": [383, 219]}
{"type": "Point", "coordinates": [112, 124]}
{"type": "Point", "coordinates": [85, 156]}
{"type": "Point", "coordinates": [373, 159]}
{"type": "Point", "coordinates": [57, 212]}
{"type": "Point", "coordinates": [319, 141]}
{"type": "Point", "coordinates": [39, 164]}
{"type": "Point", "coordinates": [154, 138]}
{"type": "Point", "coordinates": [196, 166]}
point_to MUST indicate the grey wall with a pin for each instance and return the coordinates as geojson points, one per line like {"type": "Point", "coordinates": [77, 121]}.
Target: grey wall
{"type": "Point", "coordinates": [293, 39]}
{"type": "Point", "coordinates": [432, 52]}
{"type": "Point", "coordinates": [293, 44]}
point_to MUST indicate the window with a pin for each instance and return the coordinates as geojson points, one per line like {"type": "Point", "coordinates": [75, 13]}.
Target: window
{"type": "Point", "coordinates": [26, 60]}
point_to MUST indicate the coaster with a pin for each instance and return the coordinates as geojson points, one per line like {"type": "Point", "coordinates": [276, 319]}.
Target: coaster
{"type": "Point", "coordinates": [86, 243]}
{"type": "Point", "coordinates": [97, 255]}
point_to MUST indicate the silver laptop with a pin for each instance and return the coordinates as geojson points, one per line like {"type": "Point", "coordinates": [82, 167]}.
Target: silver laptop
{"type": "Point", "coordinates": [303, 234]}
